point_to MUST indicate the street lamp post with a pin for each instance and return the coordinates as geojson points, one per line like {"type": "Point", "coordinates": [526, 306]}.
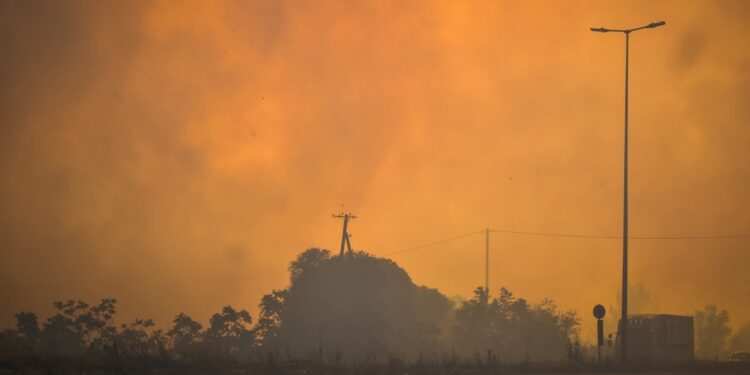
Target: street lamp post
{"type": "Point", "coordinates": [623, 336]}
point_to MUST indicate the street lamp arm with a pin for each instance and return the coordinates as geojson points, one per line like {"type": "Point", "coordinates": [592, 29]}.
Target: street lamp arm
{"type": "Point", "coordinates": [605, 30]}
{"type": "Point", "coordinates": [649, 26]}
{"type": "Point", "coordinates": [628, 31]}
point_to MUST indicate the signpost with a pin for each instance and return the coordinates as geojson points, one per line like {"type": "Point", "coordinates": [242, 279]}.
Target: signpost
{"type": "Point", "coordinates": [599, 312]}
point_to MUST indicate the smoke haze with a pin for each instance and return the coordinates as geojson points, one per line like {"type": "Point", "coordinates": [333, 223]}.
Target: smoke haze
{"type": "Point", "coordinates": [178, 157]}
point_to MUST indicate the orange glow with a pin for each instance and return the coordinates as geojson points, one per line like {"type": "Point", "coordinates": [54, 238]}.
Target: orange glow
{"type": "Point", "coordinates": [178, 157]}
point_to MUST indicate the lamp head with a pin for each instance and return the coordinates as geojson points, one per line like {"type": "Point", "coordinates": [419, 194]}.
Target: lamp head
{"type": "Point", "coordinates": [656, 24]}
{"type": "Point", "coordinates": [599, 30]}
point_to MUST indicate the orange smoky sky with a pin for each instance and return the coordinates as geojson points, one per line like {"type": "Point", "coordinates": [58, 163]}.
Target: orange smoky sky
{"type": "Point", "coordinates": [178, 156]}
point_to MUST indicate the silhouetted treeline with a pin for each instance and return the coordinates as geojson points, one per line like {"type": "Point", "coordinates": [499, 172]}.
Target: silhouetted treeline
{"type": "Point", "coordinates": [355, 311]}
{"type": "Point", "coordinates": [714, 339]}
{"type": "Point", "coordinates": [336, 310]}
{"type": "Point", "coordinates": [78, 330]}
{"type": "Point", "coordinates": [510, 329]}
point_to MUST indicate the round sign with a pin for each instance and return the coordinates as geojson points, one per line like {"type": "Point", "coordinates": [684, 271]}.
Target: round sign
{"type": "Point", "coordinates": [599, 311]}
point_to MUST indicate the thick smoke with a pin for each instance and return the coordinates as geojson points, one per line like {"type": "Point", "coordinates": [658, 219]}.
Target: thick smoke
{"type": "Point", "coordinates": [180, 155]}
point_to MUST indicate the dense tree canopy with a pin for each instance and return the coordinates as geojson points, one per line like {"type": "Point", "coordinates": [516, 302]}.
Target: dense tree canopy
{"type": "Point", "coordinates": [79, 329]}
{"type": "Point", "coordinates": [357, 305]}
{"type": "Point", "coordinates": [509, 329]}
{"type": "Point", "coordinates": [711, 332]}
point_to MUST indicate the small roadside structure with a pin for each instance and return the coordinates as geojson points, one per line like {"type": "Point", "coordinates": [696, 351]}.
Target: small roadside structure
{"type": "Point", "coordinates": [660, 338]}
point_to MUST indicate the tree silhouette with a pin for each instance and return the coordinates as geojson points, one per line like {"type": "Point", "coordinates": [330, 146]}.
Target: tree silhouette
{"type": "Point", "coordinates": [509, 329]}
{"type": "Point", "coordinates": [185, 334]}
{"type": "Point", "coordinates": [356, 305]}
{"type": "Point", "coordinates": [140, 339]}
{"type": "Point", "coordinates": [60, 337]}
{"type": "Point", "coordinates": [269, 319]}
{"type": "Point", "coordinates": [78, 325]}
{"type": "Point", "coordinates": [95, 323]}
{"type": "Point", "coordinates": [25, 339]}
{"type": "Point", "coordinates": [27, 325]}
{"type": "Point", "coordinates": [307, 260]}
{"type": "Point", "coordinates": [711, 332]}
{"type": "Point", "coordinates": [229, 334]}
{"type": "Point", "coordinates": [475, 322]}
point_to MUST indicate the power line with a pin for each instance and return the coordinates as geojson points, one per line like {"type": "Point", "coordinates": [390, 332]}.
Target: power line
{"type": "Point", "coordinates": [594, 236]}
{"type": "Point", "coordinates": [434, 243]}
{"type": "Point", "coordinates": [693, 237]}
{"type": "Point", "coordinates": [542, 234]}
{"type": "Point", "coordinates": [568, 235]}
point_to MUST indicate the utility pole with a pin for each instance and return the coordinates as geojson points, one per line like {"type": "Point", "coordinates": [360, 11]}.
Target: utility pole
{"type": "Point", "coordinates": [345, 233]}
{"type": "Point", "coordinates": [487, 261]}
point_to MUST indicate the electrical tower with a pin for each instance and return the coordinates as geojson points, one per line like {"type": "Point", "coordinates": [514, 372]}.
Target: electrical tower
{"type": "Point", "coordinates": [345, 233]}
